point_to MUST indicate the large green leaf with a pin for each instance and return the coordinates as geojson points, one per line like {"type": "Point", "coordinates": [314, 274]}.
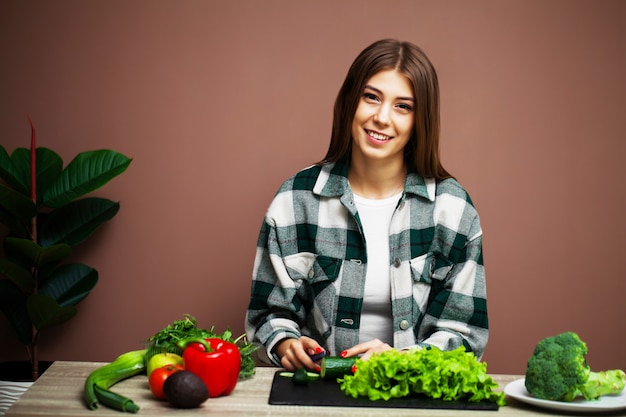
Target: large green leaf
{"type": "Point", "coordinates": [21, 277]}
{"type": "Point", "coordinates": [75, 222]}
{"type": "Point", "coordinates": [9, 173]}
{"type": "Point", "coordinates": [44, 311]}
{"type": "Point", "coordinates": [17, 228]}
{"type": "Point", "coordinates": [16, 204]}
{"type": "Point", "coordinates": [16, 211]}
{"type": "Point", "coordinates": [87, 172]}
{"type": "Point", "coordinates": [49, 167]}
{"type": "Point", "coordinates": [35, 254]}
{"type": "Point", "coordinates": [70, 284]}
{"type": "Point", "coordinates": [13, 306]}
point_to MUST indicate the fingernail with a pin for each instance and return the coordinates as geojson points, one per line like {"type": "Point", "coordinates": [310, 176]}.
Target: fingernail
{"type": "Point", "coordinates": [343, 354]}
{"type": "Point", "coordinates": [318, 368]}
{"type": "Point", "coordinates": [353, 369]}
{"type": "Point", "coordinates": [319, 350]}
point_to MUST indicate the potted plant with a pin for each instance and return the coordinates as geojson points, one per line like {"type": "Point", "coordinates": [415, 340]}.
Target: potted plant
{"type": "Point", "coordinates": [44, 213]}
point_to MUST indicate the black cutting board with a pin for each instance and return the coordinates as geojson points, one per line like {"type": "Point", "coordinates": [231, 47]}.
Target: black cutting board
{"type": "Point", "coordinates": [328, 393]}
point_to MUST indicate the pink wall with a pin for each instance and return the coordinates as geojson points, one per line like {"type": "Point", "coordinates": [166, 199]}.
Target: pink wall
{"type": "Point", "coordinates": [218, 102]}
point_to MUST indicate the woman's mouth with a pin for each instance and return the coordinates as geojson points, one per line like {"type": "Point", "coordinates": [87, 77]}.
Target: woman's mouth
{"type": "Point", "coordinates": [377, 135]}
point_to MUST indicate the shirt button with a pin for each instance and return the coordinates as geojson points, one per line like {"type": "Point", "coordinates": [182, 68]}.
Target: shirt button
{"type": "Point", "coordinates": [404, 324]}
{"type": "Point", "coordinates": [397, 262]}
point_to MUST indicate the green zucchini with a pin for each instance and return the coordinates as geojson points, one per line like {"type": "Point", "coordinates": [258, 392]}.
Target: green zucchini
{"type": "Point", "coordinates": [114, 400]}
{"type": "Point", "coordinates": [97, 384]}
{"type": "Point", "coordinates": [336, 367]}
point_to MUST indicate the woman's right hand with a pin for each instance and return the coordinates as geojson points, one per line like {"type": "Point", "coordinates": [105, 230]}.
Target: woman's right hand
{"type": "Point", "coordinates": [295, 353]}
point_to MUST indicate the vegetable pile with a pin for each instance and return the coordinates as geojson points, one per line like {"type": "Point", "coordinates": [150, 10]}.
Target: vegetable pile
{"type": "Point", "coordinates": [447, 375]}
{"type": "Point", "coordinates": [185, 365]}
{"type": "Point", "coordinates": [558, 371]}
{"type": "Point", "coordinates": [167, 340]}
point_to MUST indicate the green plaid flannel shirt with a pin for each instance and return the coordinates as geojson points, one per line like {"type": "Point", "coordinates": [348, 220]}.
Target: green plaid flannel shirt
{"type": "Point", "coordinates": [310, 265]}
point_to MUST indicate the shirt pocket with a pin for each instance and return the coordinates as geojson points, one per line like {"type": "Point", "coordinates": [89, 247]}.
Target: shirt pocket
{"type": "Point", "coordinates": [315, 277]}
{"type": "Point", "coordinates": [318, 271]}
{"type": "Point", "coordinates": [428, 275]}
{"type": "Point", "coordinates": [427, 268]}
{"type": "Point", "coordinates": [422, 268]}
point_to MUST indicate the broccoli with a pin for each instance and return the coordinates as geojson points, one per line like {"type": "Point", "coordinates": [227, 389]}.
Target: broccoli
{"type": "Point", "coordinates": [558, 371]}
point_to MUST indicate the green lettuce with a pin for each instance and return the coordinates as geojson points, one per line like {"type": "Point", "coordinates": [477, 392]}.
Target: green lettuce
{"type": "Point", "coordinates": [447, 375]}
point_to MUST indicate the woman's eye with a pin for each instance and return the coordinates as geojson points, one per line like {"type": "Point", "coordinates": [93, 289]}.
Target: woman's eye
{"type": "Point", "coordinates": [405, 107]}
{"type": "Point", "coordinates": [370, 97]}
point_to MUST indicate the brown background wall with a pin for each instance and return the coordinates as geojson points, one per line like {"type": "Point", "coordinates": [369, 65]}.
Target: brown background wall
{"type": "Point", "coordinates": [218, 102]}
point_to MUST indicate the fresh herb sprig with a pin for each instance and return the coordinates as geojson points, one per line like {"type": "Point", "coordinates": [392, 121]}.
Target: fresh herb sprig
{"type": "Point", "coordinates": [166, 340]}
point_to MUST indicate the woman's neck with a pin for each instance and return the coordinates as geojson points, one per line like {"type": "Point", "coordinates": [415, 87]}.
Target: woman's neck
{"type": "Point", "coordinates": [376, 179]}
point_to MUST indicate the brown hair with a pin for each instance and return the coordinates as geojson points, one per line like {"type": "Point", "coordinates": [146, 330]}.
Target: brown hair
{"type": "Point", "coordinates": [422, 150]}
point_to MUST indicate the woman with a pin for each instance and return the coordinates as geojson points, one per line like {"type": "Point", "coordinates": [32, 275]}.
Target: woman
{"type": "Point", "coordinates": [376, 246]}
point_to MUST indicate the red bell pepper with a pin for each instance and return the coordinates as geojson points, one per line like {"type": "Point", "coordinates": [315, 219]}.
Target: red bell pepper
{"type": "Point", "coordinates": [216, 361]}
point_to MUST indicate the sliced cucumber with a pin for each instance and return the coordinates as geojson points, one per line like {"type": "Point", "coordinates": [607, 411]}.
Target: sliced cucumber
{"type": "Point", "coordinates": [301, 377]}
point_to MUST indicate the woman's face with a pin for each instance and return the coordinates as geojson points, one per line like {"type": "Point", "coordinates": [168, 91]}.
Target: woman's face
{"type": "Point", "coordinates": [384, 118]}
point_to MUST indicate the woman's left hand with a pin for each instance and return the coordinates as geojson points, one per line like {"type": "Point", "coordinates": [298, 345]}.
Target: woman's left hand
{"type": "Point", "coordinates": [366, 349]}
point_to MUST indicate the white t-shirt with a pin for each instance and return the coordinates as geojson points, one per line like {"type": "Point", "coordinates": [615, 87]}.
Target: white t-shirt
{"type": "Point", "coordinates": [376, 320]}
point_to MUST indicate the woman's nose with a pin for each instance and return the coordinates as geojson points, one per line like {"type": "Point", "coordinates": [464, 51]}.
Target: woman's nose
{"type": "Point", "coordinates": [382, 116]}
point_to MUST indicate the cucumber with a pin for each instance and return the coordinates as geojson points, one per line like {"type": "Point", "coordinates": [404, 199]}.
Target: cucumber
{"type": "Point", "coordinates": [336, 367]}
{"type": "Point", "coordinates": [300, 377]}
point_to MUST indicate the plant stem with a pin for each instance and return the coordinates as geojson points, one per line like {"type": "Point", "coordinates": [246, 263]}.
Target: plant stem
{"type": "Point", "coordinates": [33, 231]}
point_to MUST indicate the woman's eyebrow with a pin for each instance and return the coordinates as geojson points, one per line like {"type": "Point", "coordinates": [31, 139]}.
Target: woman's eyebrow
{"type": "Point", "coordinates": [371, 87]}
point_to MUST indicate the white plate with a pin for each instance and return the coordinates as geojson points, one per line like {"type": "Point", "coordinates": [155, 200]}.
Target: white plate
{"type": "Point", "coordinates": [517, 390]}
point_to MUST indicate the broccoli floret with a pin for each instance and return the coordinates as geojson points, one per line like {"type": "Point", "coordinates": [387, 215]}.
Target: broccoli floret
{"type": "Point", "coordinates": [558, 371]}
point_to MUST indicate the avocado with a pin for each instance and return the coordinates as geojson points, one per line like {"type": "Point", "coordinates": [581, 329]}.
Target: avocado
{"type": "Point", "coordinates": [184, 389]}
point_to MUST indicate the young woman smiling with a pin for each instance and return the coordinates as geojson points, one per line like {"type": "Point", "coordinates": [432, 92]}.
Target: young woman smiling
{"type": "Point", "coordinates": [376, 246]}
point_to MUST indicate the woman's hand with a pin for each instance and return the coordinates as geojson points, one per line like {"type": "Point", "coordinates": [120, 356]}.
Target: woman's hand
{"type": "Point", "coordinates": [366, 349]}
{"type": "Point", "coordinates": [295, 353]}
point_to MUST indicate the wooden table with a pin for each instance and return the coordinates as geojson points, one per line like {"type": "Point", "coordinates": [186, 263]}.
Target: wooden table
{"type": "Point", "coordinates": [59, 392]}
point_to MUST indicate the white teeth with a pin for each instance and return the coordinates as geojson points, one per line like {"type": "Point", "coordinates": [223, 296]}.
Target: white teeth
{"type": "Point", "coordinates": [378, 136]}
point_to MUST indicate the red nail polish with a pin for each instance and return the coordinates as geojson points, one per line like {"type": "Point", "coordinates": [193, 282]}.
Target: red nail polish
{"type": "Point", "coordinates": [343, 354]}
{"type": "Point", "coordinates": [319, 350]}
{"type": "Point", "coordinates": [318, 368]}
{"type": "Point", "coordinates": [353, 368]}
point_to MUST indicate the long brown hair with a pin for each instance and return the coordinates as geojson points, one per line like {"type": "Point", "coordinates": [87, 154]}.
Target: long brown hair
{"type": "Point", "coordinates": [422, 150]}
